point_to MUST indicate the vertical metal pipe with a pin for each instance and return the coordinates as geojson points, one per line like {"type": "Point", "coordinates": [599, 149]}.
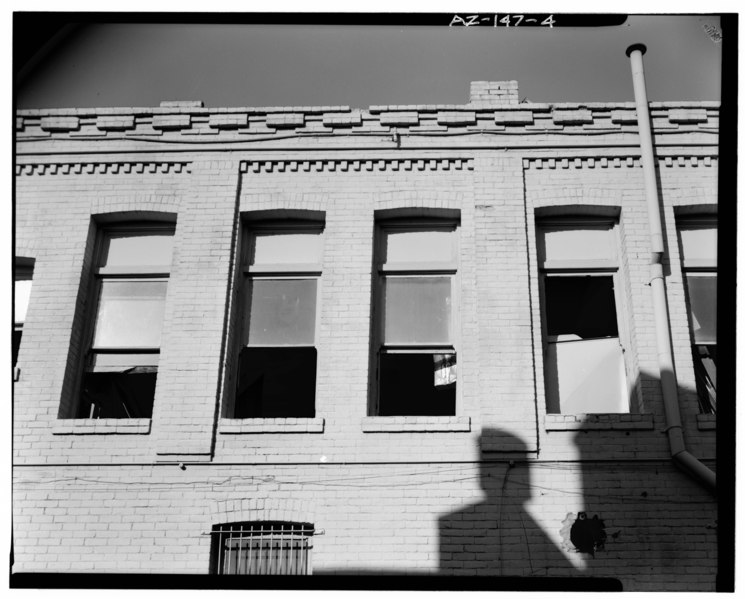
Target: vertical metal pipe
{"type": "Point", "coordinates": [668, 380]}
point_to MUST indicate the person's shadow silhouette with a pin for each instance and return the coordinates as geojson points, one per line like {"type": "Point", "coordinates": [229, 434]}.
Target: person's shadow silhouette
{"type": "Point", "coordinates": [497, 536]}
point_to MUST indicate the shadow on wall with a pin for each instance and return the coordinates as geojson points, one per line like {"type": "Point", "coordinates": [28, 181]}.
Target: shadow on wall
{"type": "Point", "coordinates": [498, 536]}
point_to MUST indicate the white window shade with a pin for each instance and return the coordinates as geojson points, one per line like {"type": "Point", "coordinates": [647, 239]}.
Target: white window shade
{"type": "Point", "coordinates": [417, 310]}
{"type": "Point", "coordinates": [21, 296]}
{"type": "Point", "coordinates": [426, 246]}
{"type": "Point", "coordinates": [577, 244]}
{"type": "Point", "coordinates": [586, 376]}
{"type": "Point", "coordinates": [130, 314]}
{"type": "Point", "coordinates": [137, 250]}
{"type": "Point", "coordinates": [281, 311]}
{"type": "Point", "coordinates": [269, 247]}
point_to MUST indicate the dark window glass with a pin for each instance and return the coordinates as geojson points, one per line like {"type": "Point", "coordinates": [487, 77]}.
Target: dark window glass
{"type": "Point", "coordinates": [705, 368]}
{"type": "Point", "coordinates": [17, 334]}
{"type": "Point", "coordinates": [276, 382]}
{"type": "Point", "coordinates": [581, 305]}
{"type": "Point", "coordinates": [417, 384]}
{"type": "Point", "coordinates": [127, 394]}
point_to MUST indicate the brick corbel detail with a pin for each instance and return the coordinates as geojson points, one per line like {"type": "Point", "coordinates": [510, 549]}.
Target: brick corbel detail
{"type": "Point", "coordinates": [333, 165]}
{"type": "Point", "coordinates": [102, 168]}
{"type": "Point", "coordinates": [578, 162]}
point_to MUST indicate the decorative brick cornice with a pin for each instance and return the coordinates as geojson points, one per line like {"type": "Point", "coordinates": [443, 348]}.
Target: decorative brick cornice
{"type": "Point", "coordinates": [584, 162]}
{"type": "Point", "coordinates": [363, 164]}
{"type": "Point", "coordinates": [101, 168]}
{"type": "Point", "coordinates": [177, 121]}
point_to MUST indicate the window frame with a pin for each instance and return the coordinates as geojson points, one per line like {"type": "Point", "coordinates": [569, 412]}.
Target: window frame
{"type": "Point", "coordinates": [697, 267]}
{"type": "Point", "coordinates": [274, 272]}
{"type": "Point", "coordinates": [382, 271]}
{"type": "Point", "coordinates": [604, 267]}
{"type": "Point", "coordinates": [99, 275]}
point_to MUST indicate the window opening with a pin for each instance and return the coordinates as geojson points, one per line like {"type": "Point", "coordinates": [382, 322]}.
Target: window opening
{"type": "Point", "coordinates": [131, 279]}
{"type": "Point", "coordinates": [278, 359]}
{"type": "Point", "coordinates": [698, 241]}
{"type": "Point", "coordinates": [585, 370]}
{"type": "Point", "coordinates": [22, 280]}
{"type": "Point", "coordinates": [416, 357]}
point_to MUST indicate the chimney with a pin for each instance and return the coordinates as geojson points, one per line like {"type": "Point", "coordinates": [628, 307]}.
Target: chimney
{"type": "Point", "coordinates": [494, 93]}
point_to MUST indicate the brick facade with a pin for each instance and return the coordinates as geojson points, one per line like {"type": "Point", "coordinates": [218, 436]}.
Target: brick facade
{"type": "Point", "coordinates": [491, 490]}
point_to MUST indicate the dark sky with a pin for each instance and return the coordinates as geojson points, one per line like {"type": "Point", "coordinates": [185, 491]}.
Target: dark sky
{"type": "Point", "coordinates": [359, 65]}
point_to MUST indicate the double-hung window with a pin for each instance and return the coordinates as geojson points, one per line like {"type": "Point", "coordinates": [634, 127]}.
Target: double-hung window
{"type": "Point", "coordinates": [277, 361]}
{"type": "Point", "coordinates": [23, 274]}
{"type": "Point", "coordinates": [583, 356]}
{"type": "Point", "coordinates": [131, 278]}
{"type": "Point", "coordinates": [698, 243]}
{"type": "Point", "coordinates": [415, 342]}
{"type": "Point", "coordinates": [262, 548]}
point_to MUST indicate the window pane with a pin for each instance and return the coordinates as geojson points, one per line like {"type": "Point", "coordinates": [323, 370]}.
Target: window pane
{"type": "Point", "coordinates": [417, 384]}
{"type": "Point", "coordinates": [130, 314]}
{"type": "Point", "coordinates": [276, 382]}
{"type": "Point", "coordinates": [137, 249]}
{"type": "Point", "coordinates": [699, 243]}
{"type": "Point", "coordinates": [281, 311]}
{"type": "Point", "coordinates": [21, 297]}
{"type": "Point", "coordinates": [416, 310]}
{"type": "Point", "coordinates": [418, 246]}
{"type": "Point", "coordinates": [271, 247]}
{"type": "Point", "coordinates": [586, 377]}
{"type": "Point", "coordinates": [576, 244]}
{"type": "Point", "coordinates": [580, 307]}
{"type": "Point", "coordinates": [702, 293]}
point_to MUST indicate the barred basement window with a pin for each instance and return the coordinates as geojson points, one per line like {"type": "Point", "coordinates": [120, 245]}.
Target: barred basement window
{"type": "Point", "coordinates": [414, 348]}
{"type": "Point", "coordinates": [273, 548]}
{"type": "Point", "coordinates": [133, 264]}
{"type": "Point", "coordinates": [698, 243]}
{"type": "Point", "coordinates": [277, 361]}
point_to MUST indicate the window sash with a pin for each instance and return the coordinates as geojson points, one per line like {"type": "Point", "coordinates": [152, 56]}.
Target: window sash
{"type": "Point", "coordinates": [138, 249]}
{"type": "Point", "coordinates": [579, 245]}
{"type": "Point", "coordinates": [274, 317]}
{"type": "Point", "coordinates": [702, 299]}
{"type": "Point", "coordinates": [119, 317]}
{"type": "Point", "coordinates": [698, 244]}
{"type": "Point", "coordinates": [416, 310]}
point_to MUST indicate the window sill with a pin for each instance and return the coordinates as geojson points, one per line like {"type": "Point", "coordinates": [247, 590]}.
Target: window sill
{"type": "Point", "coordinates": [270, 425]}
{"type": "Point", "coordinates": [102, 426]}
{"type": "Point", "coordinates": [417, 424]}
{"type": "Point", "coordinates": [585, 422]}
{"type": "Point", "coordinates": [706, 422]}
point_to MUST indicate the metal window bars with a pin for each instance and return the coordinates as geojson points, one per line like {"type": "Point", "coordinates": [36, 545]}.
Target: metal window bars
{"type": "Point", "coordinates": [263, 548]}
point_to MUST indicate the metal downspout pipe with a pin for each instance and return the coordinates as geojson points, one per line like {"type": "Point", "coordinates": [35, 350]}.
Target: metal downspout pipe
{"type": "Point", "coordinates": [681, 457]}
